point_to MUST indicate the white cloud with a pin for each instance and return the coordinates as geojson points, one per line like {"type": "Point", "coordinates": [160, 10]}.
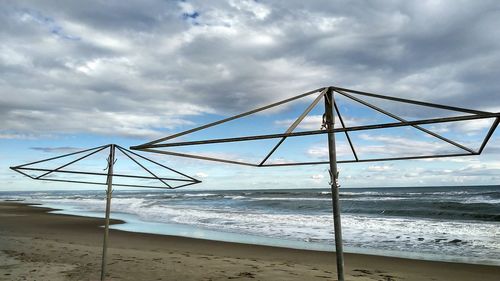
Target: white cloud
{"type": "Point", "coordinates": [312, 122]}
{"type": "Point", "coordinates": [379, 168]}
{"type": "Point", "coordinates": [259, 10]}
{"type": "Point", "coordinates": [9, 136]}
{"type": "Point", "coordinates": [186, 7]}
{"type": "Point", "coordinates": [278, 160]}
{"type": "Point", "coordinates": [201, 175]}
{"type": "Point", "coordinates": [391, 145]}
{"type": "Point", "coordinates": [318, 151]}
{"type": "Point", "coordinates": [317, 178]}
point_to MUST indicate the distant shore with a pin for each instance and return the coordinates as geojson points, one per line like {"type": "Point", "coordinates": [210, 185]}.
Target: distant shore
{"type": "Point", "coordinates": [36, 245]}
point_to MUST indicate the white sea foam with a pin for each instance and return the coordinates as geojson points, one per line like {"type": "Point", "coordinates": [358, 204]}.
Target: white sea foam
{"type": "Point", "coordinates": [389, 233]}
{"type": "Point", "coordinates": [290, 198]}
{"type": "Point", "coordinates": [235, 197]}
{"type": "Point", "coordinates": [199, 194]}
{"type": "Point", "coordinates": [473, 239]}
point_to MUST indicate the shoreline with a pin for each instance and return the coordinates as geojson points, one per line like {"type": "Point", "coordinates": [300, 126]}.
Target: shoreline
{"type": "Point", "coordinates": [67, 247]}
{"type": "Point", "coordinates": [131, 222]}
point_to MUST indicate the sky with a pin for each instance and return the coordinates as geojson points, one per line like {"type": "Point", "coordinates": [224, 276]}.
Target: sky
{"type": "Point", "coordinates": [80, 74]}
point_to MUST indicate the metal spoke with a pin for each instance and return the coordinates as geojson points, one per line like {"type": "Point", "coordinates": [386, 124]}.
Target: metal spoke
{"type": "Point", "coordinates": [428, 104]}
{"type": "Point", "coordinates": [228, 119]}
{"type": "Point", "coordinates": [159, 164]}
{"type": "Point", "coordinates": [404, 120]}
{"type": "Point", "coordinates": [346, 133]}
{"type": "Point", "coordinates": [317, 132]}
{"type": "Point", "coordinates": [489, 134]}
{"type": "Point", "coordinates": [295, 124]}
{"type": "Point", "coordinates": [373, 160]}
{"type": "Point", "coordinates": [69, 163]}
{"type": "Point", "coordinates": [146, 169]}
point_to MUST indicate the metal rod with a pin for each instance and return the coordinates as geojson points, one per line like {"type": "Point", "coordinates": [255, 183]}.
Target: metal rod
{"type": "Point", "coordinates": [308, 163]}
{"type": "Point", "coordinates": [184, 185]}
{"type": "Point", "coordinates": [330, 123]}
{"type": "Point", "coordinates": [109, 191]}
{"type": "Point", "coordinates": [198, 157]}
{"type": "Point", "coordinates": [146, 169]}
{"type": "Point", "coordinates": [61, 156]}
{"type": "Point", "coordinates": [103, 183]}
{"type": "Point", "coordinates": [17, 170]}
{"type": "Point", "coordinates": [317, 132]}
{"type": "Point", "coordinates": [115, 184]}
{"type": "Point", "coordinates": [295, 124]}
{"type": "Point", "coordinates": [69, 163]}
{"type": "Point", "coordinates": [159, 164]}
{"type": "Point", "coordinates": [489, 134]}
{"type": "Point", "coordinates": [404, 120]}
{"type": "Point", "coordinates": [373, 159]}
{"type": "Point", "coordinates": [101, 174]}
{"type": "Point", "coordinates": [272, 151]}
{"type": "Point", "coordinates": [453, 108]}
{"type": "Point", "coordinates": [73, 181]}
{"type": "Point", "coordinates": [228, 119]}
{"type": "Point", "coordinates": [346, 133]}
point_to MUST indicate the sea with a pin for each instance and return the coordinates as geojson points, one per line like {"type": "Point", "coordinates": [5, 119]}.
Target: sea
{"type": "Point", "coordinates": [456, 224]}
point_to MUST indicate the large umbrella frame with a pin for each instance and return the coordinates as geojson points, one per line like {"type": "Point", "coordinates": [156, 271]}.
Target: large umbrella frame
{"type": "Point", "coordinates": [181, 181]}
{"type": "Point", "coordinates": [329, 128]}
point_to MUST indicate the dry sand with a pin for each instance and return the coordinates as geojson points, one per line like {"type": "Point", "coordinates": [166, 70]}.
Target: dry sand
{"type": "Point", "coordinates": [35, 245]}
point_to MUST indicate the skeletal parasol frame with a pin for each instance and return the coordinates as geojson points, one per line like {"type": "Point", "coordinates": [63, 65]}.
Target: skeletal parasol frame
{"type": "Point", "coordinates": [183, 179]}
{"type": "Point", "coordinates": [327, 94]}
{"type": "Point", "coordinates": [156, 145]}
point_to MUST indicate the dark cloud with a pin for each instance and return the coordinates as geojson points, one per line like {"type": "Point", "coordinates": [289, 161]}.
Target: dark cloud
{"type": "Point", "coordinates": [61, 149]}
{"type": "Point", "coordinates": [73, 67]}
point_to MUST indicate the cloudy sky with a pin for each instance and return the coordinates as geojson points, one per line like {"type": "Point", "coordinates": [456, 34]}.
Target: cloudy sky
{"type": "Point", "coordinates": [79, 74]}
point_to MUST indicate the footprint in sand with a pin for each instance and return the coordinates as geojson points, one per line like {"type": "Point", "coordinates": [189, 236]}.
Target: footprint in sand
{"type": "Point", "coordinates": [387, 277]}
{"type": "Point", "coordinates": [364, 271]}
{"type": "Point", "coordinates": [243, 274]}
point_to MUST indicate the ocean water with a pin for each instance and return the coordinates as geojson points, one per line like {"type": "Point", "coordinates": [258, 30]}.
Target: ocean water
{"type": "Point", "coordinates": [437, 223]}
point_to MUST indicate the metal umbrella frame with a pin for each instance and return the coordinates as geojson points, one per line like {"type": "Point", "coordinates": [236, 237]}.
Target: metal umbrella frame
{"type": "Point", "coordinates": [181, 181]}
{"type": "Point", "coordinates": [327, 94]}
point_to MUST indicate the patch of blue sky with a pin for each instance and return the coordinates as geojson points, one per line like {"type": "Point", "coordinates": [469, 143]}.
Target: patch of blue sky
{"type": "Point", "coordinates": [49, 23]}
{"type": "Point", "coordinates": [58, 31]}
{"type": "Point", "coordinates": [192, 17]}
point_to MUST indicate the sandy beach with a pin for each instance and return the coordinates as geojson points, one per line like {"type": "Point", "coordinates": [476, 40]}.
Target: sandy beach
{"type": "Point", "coordinates": [36, 245]}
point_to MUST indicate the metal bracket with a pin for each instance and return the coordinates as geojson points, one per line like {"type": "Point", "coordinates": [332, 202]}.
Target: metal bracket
{"type": "Point", "coordinates": [324, 125]}
{"type": "Point", "coordinates": [334, 179]}
{"type": "Point", "coordinates": [107, 160]}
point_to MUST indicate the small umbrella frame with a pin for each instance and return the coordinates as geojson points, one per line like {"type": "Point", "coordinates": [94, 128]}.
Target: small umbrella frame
{"type": "Point", "coordinates": [182, 180]}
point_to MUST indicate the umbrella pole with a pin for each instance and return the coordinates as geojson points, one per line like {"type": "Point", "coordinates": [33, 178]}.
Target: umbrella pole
{"type": "Point", "coordinates": [329, 123]}
{"type": "Point", "coordinates": [109, 191]}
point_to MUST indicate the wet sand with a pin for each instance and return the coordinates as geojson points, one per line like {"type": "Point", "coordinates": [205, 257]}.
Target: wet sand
{"type": "Point", "coordinates": [36, 245]}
